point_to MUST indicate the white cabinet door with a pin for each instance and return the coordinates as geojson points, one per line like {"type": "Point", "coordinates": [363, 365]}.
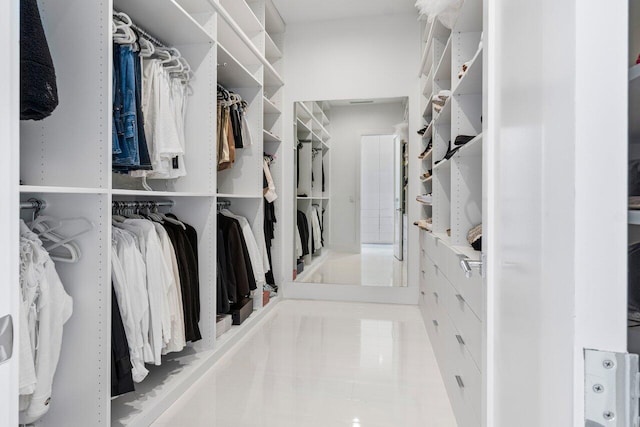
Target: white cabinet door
{"type": "Point", "coordinates": [554, 208]}
{"type": "Point", "coordinates": [9, 103]}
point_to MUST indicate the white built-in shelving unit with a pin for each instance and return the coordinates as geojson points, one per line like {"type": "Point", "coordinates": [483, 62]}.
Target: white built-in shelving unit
{"type": "Point", "coordinates": [313, 165]}
{"type": "Point", "coordinates": [65, 160]}
{"type": "Point", "coordinates": [452, 304]}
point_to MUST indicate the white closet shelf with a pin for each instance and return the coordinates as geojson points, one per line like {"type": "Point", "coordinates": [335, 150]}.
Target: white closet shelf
{"type": "Point", "coordinates": [427, 113]}
{"type": "Point", "coordinates": [428, 85]}
{"type": "Point", "coordinates": [469, 18]}
{"type": "Point", "coordinates": [467, 251]}
{"type": "Point", "coordinates": [424, 203]}
{"type": "Point", "coordinates": [145, 193]}
{"type": "Point", "coordinates": [196, 7]}
{"type": "Point", "coordinates": [302, 127]}
{"type": "Point", "coordinates": [429, 132]}
{"type": "Point", "coordinates": [270, 107]}
{"type": "Point", "coordinates": [472, 148]}
{"type": "Point", "coordinates": [443, 70]}
{"type": "Point", "coordinates": [231, 73]}
{"type": "Point", "coordinates": [634, 217]}
{"type": "Point", "coordinates": [238, 196]}
{"type": "Point", "coordinates": [444, 237]}
{"type": "Point", "coordinates": [436, 31]}
{"type": "Point", "coordinates": [304, 198]}
{"type": "Point", "coordinates": [61, 190]}
{"type": "Point", "coordinates": [443, 165]}
{"type": "Point", "coordinates": [427, 181]}
{"type": "Point", "coordinates": [303, 112]}
{"type": "Point", "coordinates": [165, 20]}
{"type": "Point", "coordinates": [444, 116]}
{"type": "Point", "coordinates": [269, 137]}
{"type": "Point", "coordinates": [471, 82]}
{"type": "Point", "coordinates": [244, 16]}
{"type": "Point", "coordinates": [274, 23]}
{"type": "Point", "coordinates": [272, 78]}
{"type": "Point", "coordinates": [272, 51]}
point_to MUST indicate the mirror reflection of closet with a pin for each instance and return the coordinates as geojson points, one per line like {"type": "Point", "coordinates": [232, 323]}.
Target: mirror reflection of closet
{"type": "Point", "coordinates": [350, 179]}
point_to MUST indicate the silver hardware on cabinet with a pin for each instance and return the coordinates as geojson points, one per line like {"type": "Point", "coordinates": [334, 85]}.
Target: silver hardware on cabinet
{"type": "Point", "coordinates": [6, 338]}
{"type": "Point", "coordinates": [612, 389]}
{"type": "Point", "coordinates": [460, 297]}
{"type": "Point", "coordinates": [468, 265]}
{"type": "Point", "coordinates": [459, 381]}
{"type": "Point", "coordinates": [435, 323]}
{"type": "Point", "coordinates": [460, 340]}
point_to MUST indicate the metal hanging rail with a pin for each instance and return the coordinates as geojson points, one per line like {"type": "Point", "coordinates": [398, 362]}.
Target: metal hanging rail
{"type": "Point", "coordinates": [33, 204]}
{"type": "Point", "coordinates": [223, 204]}
{"type": "Point", "coordinates": [141, 204]}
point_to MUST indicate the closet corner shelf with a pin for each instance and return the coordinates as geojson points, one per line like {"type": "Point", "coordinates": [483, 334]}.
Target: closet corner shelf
{"type": "Point", "coordinates": [443, 70]}
{"type": "Point", "coordinates": [272, 51]}
{"type": "Point", "coordinates": [61, 190]}
{"type": "Point", "coordinates": [145, 193]}
{"type": "Point", "coordinates": [472, 148]}
{"type": "Point", "coordinates": [231, 73]}
{"type": "Point", "coordinates": [271, 77]}
{"type": "Point", "coordinates": [166, 20]}
{"type": "Point", "coordinates": [244, 16]}
{"type": "Point", "coordinates": [445, 164]}
{"type": "Point", "coordinates": [634, 217]}
{"type": "Point", "coordinates": [269, 137]}
{"type": "Point", "coordinates": [444, 116]}
{"type": "Point", "coordinates": [270, 107]}
{"type": "Point", "coordinates": [471, 82]}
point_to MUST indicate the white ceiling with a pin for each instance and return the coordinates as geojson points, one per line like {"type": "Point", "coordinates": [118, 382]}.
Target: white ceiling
{"type": "Point", "coordinates": [297, 11]}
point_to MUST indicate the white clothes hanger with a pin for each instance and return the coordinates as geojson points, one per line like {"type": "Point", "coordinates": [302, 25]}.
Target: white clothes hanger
{"type": "Point", "coordinates": [45, 231]}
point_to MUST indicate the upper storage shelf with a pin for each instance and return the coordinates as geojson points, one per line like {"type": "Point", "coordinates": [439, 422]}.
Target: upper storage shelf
{"type": "Point", "coordinates": [244, 16]}
{"type": "Point", "coordinates": [166, 20]}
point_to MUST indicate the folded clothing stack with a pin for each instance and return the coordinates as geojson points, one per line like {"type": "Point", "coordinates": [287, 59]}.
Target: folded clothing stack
{"type": "Point", "coordinates": [440, 99]}
{"type": "Point", "coordinates": [425, 199]}
{"type": "Point", "coordinates": [474, 237]}
{"type": "Point", "coordinates": [424, 224]}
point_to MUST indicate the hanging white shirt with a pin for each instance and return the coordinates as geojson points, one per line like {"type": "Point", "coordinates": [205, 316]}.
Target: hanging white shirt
{"type": "Point", "coordinates": [52, 307]}
{"type": "Point", "coordinates": [255, 254]}
{"type": "Point", "coordinates": [270, 196]}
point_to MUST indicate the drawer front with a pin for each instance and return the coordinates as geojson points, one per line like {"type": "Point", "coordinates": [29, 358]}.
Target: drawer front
{"type": "Point", "coordinates": [471, 288]}
{"type": "Point", "coordinates": [463, 377]}
{"type": "Point", "coordinates": [433, 322]}
{"type": "Point", "coordinates": [465, 321]}
{"type": "Point", "coordinates": [430, 245]}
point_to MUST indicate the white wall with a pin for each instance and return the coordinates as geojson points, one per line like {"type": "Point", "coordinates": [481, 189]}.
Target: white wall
{"type": "Point", "coordinates": [348, 124]}
{"type": "Point", "coordinates": [372, 57]}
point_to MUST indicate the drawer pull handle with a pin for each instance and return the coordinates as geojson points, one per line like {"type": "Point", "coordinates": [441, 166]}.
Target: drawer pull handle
{"type": "Point", "coordinates": [460, 297]}
{"type": "Point", "coordinates": [435, 323]}
{"type": "Point", "coordinates": [460, 340]}
{"type": "Point", "coordinates": [435, 294]}
{"type": "Point", "coordinates": [459, 381]}
{"type": "Point", "coordinates": [422, 292]}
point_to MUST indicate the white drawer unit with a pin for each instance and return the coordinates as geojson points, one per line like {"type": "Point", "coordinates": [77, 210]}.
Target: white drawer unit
{"type": "Point", "coordinates": [451, 305]}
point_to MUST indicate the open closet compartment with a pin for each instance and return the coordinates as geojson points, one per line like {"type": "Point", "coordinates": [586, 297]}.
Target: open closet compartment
{"type": "Point", "coordinates": [312, 183]}
{"type": "Point", "coordinates": [79, 389]}
{"type": "Point", "coordinates": [66, 162]}
{"type": "Point", "coordinates": [451, 291]}
{"type": "Point", "coordinates": [175, 27]}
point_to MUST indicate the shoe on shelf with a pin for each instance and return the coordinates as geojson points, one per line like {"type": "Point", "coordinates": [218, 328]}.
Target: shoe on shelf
{"type": "Point", "coordinates": [462, 139]}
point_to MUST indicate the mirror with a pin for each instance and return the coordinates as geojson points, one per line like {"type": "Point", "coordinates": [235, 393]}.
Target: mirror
{"type": "Point", "coordinates": [350, 186]}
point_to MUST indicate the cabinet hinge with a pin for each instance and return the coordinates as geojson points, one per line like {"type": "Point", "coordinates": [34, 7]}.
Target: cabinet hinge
{"type": "Point", "coordinates": [612, 389]}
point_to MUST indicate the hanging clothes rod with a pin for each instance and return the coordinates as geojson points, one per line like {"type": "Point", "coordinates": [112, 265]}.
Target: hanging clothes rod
{"type": "Point", "coordinates": [142, 204]}
{"type": "Point", "coordinates": [144, 33]}
{"type": "Point", "coordinates": [33, 204]}
{"type": "Point", "coordinates": [223, 204]}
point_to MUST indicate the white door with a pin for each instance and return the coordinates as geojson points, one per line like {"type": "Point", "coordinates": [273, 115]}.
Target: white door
{"type": "Point", "coordinates": [370, 190]}
{"type": "Point", "coordinates": [9, 102]}
{"type": "Point", "coordinates": [555, 204]}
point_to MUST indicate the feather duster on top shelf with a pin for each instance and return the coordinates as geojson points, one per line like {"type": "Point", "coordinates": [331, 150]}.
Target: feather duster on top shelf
{"type": "Point", "coordinates": [445, 10]}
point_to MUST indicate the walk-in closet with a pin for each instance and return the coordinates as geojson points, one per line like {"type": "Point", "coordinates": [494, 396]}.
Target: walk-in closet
{"type": "Point", "coordinates": [256, 213]}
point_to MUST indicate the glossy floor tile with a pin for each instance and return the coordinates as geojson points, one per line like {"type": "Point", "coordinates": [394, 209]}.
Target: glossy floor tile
{"type": "Point", "coordinates": [323, 364]}
{"type": "Point", "coordinates": [375, 265]}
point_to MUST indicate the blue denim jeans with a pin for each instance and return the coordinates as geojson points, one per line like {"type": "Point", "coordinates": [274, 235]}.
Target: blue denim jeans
{"type": "Point", "coordinates": [126, 117]}
{"type": "Point", "coordinates": [115, 117]}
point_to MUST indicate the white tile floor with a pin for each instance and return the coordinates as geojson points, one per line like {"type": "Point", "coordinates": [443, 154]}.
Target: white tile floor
{"type": "Point", "coordinates": [374, 266]}
{"type": "Point", "coordinates": [323, 364]}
